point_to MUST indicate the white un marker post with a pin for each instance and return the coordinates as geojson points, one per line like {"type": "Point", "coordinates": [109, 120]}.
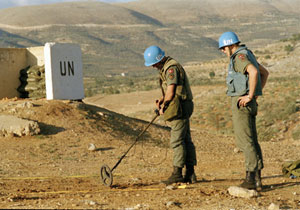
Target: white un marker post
{"type": "Point", "coordinates": [63, 71]}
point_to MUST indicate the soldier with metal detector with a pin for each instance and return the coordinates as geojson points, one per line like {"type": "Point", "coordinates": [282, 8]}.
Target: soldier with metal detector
{"type": "Point", "coordinates": [245, 80]}
{"type": "Point", "coordinates": [176, 107]}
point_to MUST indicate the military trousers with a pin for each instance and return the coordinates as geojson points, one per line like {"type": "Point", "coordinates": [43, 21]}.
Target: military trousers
{"type": "Point", "coordinates": [184, 152]}
{"type": "Point", "coordinates": [244, 125]}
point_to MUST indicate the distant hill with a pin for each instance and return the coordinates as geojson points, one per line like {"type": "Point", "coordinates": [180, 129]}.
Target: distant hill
{"type": "Point", "coordinates": [73, 13]}
{"type": "Point", "coordinates": [15, 40]}
{"type": "Point", "coordinates": [113, 37]}
{"type": "Point", "coordinates": [199, 11]}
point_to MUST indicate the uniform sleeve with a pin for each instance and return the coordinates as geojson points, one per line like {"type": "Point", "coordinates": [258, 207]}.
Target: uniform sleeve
{"type": "Point", "coordinates": [241, 62]}
{"type": "Point", "coordinates": [172, 75]}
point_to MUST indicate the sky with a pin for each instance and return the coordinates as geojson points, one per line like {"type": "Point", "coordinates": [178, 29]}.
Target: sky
{"type": "Point", "coordinates": [15, 3]}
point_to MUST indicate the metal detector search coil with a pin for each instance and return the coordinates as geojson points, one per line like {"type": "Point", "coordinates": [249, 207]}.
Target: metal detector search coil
{"type": "Point", "coordinates": [106, 173]}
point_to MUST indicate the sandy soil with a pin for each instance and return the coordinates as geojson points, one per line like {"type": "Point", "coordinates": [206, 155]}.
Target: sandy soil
{"type": "Point", "coordinates": [56, 170]}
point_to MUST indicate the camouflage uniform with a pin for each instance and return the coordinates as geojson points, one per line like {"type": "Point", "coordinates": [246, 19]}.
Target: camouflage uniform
{"type": "Point", "coordinates": [181, 141]}
{"type": "Point", "coordinates": [244, 118]}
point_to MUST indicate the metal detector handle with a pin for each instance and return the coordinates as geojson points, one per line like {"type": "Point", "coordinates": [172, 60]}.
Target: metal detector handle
{"type": "Point", "coordinates": [154, 118]}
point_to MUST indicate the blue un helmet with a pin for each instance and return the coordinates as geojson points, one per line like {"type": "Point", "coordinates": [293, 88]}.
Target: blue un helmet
{"type": "Point", "coordinates": [153, 55]}
{"type": "Point", "coordinates": [228, 38]}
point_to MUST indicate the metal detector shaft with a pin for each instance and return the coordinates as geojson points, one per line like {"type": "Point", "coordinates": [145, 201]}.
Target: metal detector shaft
{"type": "Point", "coordinates": [157, 114]}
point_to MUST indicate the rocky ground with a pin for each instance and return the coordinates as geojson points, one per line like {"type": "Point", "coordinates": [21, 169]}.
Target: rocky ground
{"type": "Point", "coordinates": [56, 169]}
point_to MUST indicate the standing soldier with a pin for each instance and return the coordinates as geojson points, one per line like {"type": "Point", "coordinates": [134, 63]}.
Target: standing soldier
{"type": "Point", "coordinates": [176, 106]}
{"type": "Point", "coordinates": [245, 80]}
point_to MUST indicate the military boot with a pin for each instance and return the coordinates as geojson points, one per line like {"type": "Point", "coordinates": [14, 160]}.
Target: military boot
{"type": "Point", "coordinates": [175, 177]}
{"type": "Point", "coordinates": [258, 180]}
{"type": "Point", "coordinates": [190, 176]}
{"type": "Point", "coordinates": [249, 182]}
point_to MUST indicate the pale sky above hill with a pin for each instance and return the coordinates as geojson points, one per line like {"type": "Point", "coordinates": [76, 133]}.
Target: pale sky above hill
{"type": "Point", "coordinates": [15, 3]}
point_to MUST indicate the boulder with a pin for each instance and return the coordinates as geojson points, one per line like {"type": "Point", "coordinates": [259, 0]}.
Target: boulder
{"type": "Point", "coordinates": [14, 126]}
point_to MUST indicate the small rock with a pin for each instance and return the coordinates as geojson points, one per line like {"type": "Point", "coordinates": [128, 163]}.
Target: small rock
{"type": "Point", "coordinates": [13, 111]}
{"type": "Point", "coordinates": [242, 192]}
{"type": "Point", "coordinates": [88, 196]}
{"type": "Point", "coordinates": [136, 179]}
{"type": "Point", "coordinates": [11, 199]}
{"type": "Point", "coordinates": [170, 203]}
{"type": "Point", "coordinates": [92, 203]}
{"type": "Point", "coordinates": [170, 187]}
{"type": "Point", "coordinates": [92, 147]}
{"type": "Point", "coordinates": [236, 150]}
{"type": "Point", "coordinates": [141, 206]}
{"type": "Point", "coordinates": [273, 207]}
{"type": "Point", "coordinates": [101, 113]}
{"type": "Point", "coordinates": [25, 105]}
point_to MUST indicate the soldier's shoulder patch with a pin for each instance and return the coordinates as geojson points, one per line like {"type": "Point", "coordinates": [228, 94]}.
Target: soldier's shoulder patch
{"type": "Point", "coordinates": [171, 76]}
{"type": "Point", "coordinates": [242, 57]}
{"type": "Point", "coordinates": [171, 73]}
{"type": "Point", "coordinates": [171, 70]}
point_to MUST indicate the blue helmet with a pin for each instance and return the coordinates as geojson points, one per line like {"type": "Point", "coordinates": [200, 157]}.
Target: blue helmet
{"type": "Point", "coordinates": [153, 55]}
{"type": "Point", "coordinates": [228, 38]}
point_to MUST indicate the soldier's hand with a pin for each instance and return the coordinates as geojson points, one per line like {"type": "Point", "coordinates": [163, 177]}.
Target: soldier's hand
{"type": "Point", "coordinates": [158, 103]}
{"type": "Point", "coordinates": [243, 101]}
{"type": "Point", "coordinates": [161, 111]}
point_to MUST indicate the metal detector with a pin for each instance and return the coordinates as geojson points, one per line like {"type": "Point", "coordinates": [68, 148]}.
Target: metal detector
{"type": "Point", "coordinates": [106, 173]}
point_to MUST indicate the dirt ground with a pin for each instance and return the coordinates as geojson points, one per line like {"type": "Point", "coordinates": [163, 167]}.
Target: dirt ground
{"type": "Point", "coordinates": [56, 170]}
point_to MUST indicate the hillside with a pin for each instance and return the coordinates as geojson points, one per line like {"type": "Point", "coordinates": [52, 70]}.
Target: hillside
{"type": "Point", "coordinates": [114, 36]}
{"type": "Point", "coordinates": [73, 13]}
{"type": "Point", "coordinates": [178, 11]}
{"type": "Point", "coordinates": [8, 39]}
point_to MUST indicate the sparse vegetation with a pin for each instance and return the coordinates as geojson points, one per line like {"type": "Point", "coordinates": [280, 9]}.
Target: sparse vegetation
{"type": "Point", "coordinates": [49, 148]}
{"type": "Point", "coordinates": [267, 57]}
{"type": "Point", "coordinates": [293, 41]}
{"type": "Point", "coordinates": [296, 132]}
{"type": "Point", "coordinates": [41, 137]}
{"type": "Point", "coordinates": [119, 84]}
{"type": "Point", "coordinates": [288, 48]}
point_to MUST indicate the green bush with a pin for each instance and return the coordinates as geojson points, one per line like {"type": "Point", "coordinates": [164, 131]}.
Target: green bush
{"type": "Point", "coordinates": [295, 37]}
{"type": "Point", "coordinates": [267, 57]}
{"type": "Point", "coordinates": [266, 133]}
{"type": "Point", "coordinates": [288, 48]}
